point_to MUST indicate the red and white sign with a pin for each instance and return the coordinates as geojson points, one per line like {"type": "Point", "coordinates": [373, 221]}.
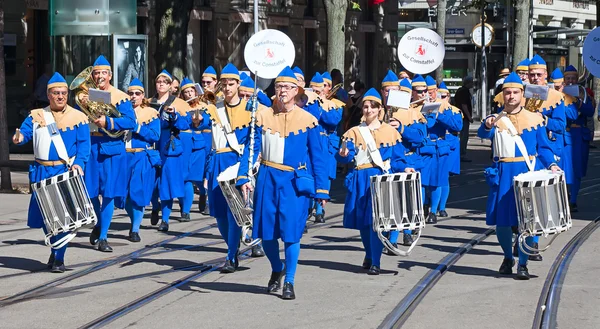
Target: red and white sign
{"type": "Point", "coordinates": [421, 51]}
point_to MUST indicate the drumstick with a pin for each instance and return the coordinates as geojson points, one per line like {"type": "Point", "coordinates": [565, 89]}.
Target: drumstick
{"type": "Point", "coordinates": [499, 116]}
{"type": "Point", "coordinates": [18, 134]}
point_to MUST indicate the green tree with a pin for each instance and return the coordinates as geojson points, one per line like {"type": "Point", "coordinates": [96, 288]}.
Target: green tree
{"type": "Point", "coordinates": [521, 40]}
{"type": "Point", "coordinates": [336, 33]}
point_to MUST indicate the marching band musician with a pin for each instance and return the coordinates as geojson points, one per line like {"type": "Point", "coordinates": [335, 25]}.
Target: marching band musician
{"type": "Point", "coordinates": [329, 121]}
{"type": "Point", "coordinates": [246, 91]}
{"type": "Point", "coordinates": [59, 133]}
{"type": "Point", "coordinates": [523, 70]}
{"type": "Point", "coordinates": [375, 148]}
{"type": "Point", "coordinates": [577, 138]}
{"type": "Point", "coordinates": [403, 74]}
{"type": "Point", "coordinates": [313, 102]}
{"type": "Point", "coordinates": [195, 146]}
{"type": "Point", "coordinates": [509, 162]}
{"type": "Point", "coordinates": [452, 133]}
{"type": "Point", "coordinates": [230, 121]}
{"type": "Point", "coordinates": [292, 169]}
{"type": "Point", "coordinates": [300, 76]}
{"type": "Point", "coordinates": [412, 127]}
{"type": "Point", "coordinates": [142, 158]}
{"type": "Point", "coordinates": [174, 155]}
{"type": "Point", "coordinates": [209, 82]}
{"type": "Point", "coordinates": [104, 173]}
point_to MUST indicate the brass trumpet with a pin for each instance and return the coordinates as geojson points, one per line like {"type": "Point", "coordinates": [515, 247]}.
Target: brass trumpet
{"type": "Point", "coordinates": [211, 96]}
{"type": "Point", "coordinates": [334, 90]}
{"type": "Point", "coordinates": [82, 83]}
{"type": "Point", "coordinates": [533, 104]}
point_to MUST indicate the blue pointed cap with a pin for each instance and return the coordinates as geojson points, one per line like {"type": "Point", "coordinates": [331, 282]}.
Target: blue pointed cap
{"type": "Point", "coordinates": [431, 84]}
{"type": "Point", "coordinates": [56, 80]}
{"type": "Point", "coordinates": [166, 74]}
{"type": "Point", "coordinates": [537, 62]}
{"type": "Point", "coordinates": [101, 63]}
{"type": "Point", "coordinates": [327, 77]}
{"type": "Point", "coordinates": [523, 65]}
{"type": "Point", "coordinates": [390, 79]}
{"type": "Point", "coordinates": [247, 85]}
{"type": "Point", "coordinates": [418, 81]}
{"type": "Point", "coordinates": [243, 76]}
{"type": "Point", "coordinates": [317, 81]}
{"type": "Point", "coordinates": [443, 88]}
{"type": "Point", "coordinates": [405, 85]}
{"type": "Point", "coordinates": [513, 81]}
{"type": "Point", "coordinates": [287, 75]}
{"type": "Point", "coordinates": [571, 70]}
{"type": "Point", "coordinates": [210, 72]}
{"type": "Point", "coordinates": [186, 83]}
{"type": "Point", "coordinates": [372, 95]}
{"type": "Point", "coordinates": [230, 72]}
{"type": "Point", "coordinates": [557, 76]}
{"type": "Point", "coordinates": [297, 70]}
{"type": "Point", "coordinates": [136, 84]}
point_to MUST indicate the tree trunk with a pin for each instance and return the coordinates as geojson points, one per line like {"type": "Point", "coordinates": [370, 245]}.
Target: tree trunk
{"type": "Point", "coordinates": [172, 18]}
{"type": "Point", "coordinates": [441, 30]}
{"type": "Point", "coordinates": [5, 183]}
{"type": "Point", "coordinates": [336, 33]}
{"type": "Point", "coordinates": [521, 40]}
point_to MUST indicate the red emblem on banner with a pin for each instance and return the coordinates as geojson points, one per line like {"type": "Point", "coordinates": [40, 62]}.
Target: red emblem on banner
{"type": "Point", "coordinates": [420, 50]}
{"type": "Point", "coordinates": [270, 53]}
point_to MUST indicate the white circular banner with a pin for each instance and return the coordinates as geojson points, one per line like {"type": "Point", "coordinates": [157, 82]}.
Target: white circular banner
{"type": "Point", "coordinates": [268, 52]}
{"type": "Point", "coordinates": [591, 52]}
{"type": "Point", "coordinates": [421, 51]}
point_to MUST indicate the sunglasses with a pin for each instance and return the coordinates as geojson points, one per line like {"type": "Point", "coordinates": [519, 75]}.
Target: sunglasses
{"type": "Point", "coordinates": [444, 96]}
{"type": "Point", "coordinates": [136, 93]}
{"type": "Point", "coordinates": [422, 91]}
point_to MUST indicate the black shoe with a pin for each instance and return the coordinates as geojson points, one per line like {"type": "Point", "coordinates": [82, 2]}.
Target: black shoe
{"type": "Point", "coordinates": [184, 217]}
{"type": "Point", "coordinates": [58, 267]}
{"type": "Point", "coordinates": [522, 272]}
{"type": "Point", "coordinates": [50, 262]}
{"type": "Point", "coordinates": [366, 264]}
{"type": "Point", "coordinates": [103, 246]}
{"type": "Point", "coordinates": [573, 207]}
{"type": "Point", "coordinates": [275, 281]}
{"type": "Point", "coordinates": [374, 270]}
{"type": "Point", "coordinates": [536, 257]}
{"type": "Point", "coordinates": [425, 210]}
{"type": "Point", "coordinates": [443, 213]}
{"type": "Point", "coordinates": [389, 252]}
{"type": "Point", "coordinates": [206, 210]}
{"type": "Point", "coordinates": [202, 202]}
{"type": "Point", "coordinates": [506, 267]}
{"type": "Point", "coordinates": [163, 227]}
{"type": "Point", "coordinates": [154, 217]}
{"type": "Point", "coordinates": [134, 237]}
{"type": "Point", "coordinates": [319, 218]}
{"type": "Point", "coordinates": [407, 239]}
{"type": "Point", "coordinates": [431, 219]}
{"type": "Point", "coordinates": [257, 251]}
{"type": "Point", "coordinates": [229, 267]}
{"type": "Point", "coordinates": [94, 235]}
{"type": "Point", "coordinates": [288, 291]}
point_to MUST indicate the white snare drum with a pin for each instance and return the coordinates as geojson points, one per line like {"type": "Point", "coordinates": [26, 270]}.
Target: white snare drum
{"type": "Point", "coordinates": [242, 210]}
{"type": "Point", "coordinates": [65, 206]}
{"type": "Point", "coordinates": [397, 206]}
{"type": "Point", "coordinates": [542, 205]}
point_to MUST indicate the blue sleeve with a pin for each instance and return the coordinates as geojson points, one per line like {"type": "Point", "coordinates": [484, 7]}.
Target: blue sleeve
{"type": "Point", "coordinates": [242, 176]}
{"type": "Point", "coordinates": [27, 130]}
{"type": "Point", "coordinates": [150, 132]}
{"type": "Point", "coordinates": [126, 121]}
{"type": "Point", "coordinates": [332, 117]}
{"type": "Point", "coordinates": [485, 133]}
{"type": "Point", "coordinates": [264, 99]}
{"type": "Point", "coordinates": [351, 154]}
{"type": "Point", "coordinates": [318, 161]}
{"type": "Point", "coordinates": [587, 108]}
{"type": "Point", "coordinates": [571, 112]}
{"type": "Point", "coordinates": [182, 122]}
{"type": "Point", "coordinates": [431, 120]}
{"type": "Point", "coordinates": [452, 121]}
{"type": "Point", "coordinates": [544, 150]}
{"type": "Point", "coordinates": [415, 134]}
{"type": "Point", "coordinates": [557, 120]}
{"type": "Point", "coordinates": [83, 145]}
{"type": "Point", "coordinates": [205, 123]}
{"type": "Point", "coordinates": [398, 161]}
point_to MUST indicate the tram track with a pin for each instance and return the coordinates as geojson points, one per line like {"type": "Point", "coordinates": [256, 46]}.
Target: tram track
{"type": "Point", "coordinates": [547, 306]}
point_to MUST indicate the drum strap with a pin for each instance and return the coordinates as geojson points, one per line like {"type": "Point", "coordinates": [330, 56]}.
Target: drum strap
{"type": "Point", "coordinates": [56, 138]}
{"type": "Point", "coordinates": [520, 144]}
{"type": "Point", "coordinates": [372, 149]}
{"type": "Point", "coordinates": [229, 133]}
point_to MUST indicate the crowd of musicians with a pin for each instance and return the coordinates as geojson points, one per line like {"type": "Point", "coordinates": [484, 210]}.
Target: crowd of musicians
{"type": "Point", "coordinates": [176, 144]}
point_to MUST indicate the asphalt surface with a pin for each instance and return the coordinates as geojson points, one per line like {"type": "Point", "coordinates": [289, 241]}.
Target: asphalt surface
{"type": "Point", "coordinates": [332, 289]}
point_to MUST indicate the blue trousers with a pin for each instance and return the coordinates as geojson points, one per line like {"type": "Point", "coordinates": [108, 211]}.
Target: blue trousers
{"type": "Point", "coordinates": [136, 214]}
{"type": "Point", "coordinates": [166, 208]}
{"type": "Point", "coordinates": [292, 253]}
{"type": "Point", "coordinates": [504, 234]}
{"type": "Point", "coordinates": [186, 202]}
{"type": "Point", "coordinates": [105, 213]}
{"type": "Point", "coordinates": [59, 254]}
{"type": "Point", "coordinates": [373, 246]}
{"type": "Point", "coordinates": [395, 234]}
{"type": "Point", "coordinates": [444, 197]}
{"type": "Point", "coordinates": [231, 233]}
{"type": "Point", "coordinates": [575, 187]}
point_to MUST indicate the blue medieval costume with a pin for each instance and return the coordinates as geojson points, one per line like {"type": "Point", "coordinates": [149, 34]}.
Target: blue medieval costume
{"type": "Point", "coordinates": [509, 162]}
{"type": "Point", "coordinates": [290, 146]}
{"type": "Point", "coordinates": [358, 206]}
{"type": "Point", "coordinates": [39, 127]}
{"type": "Point", "coordinates": [577, 138]}
{"type": "Point", "coordinates": [143, 160]}
{"type": "Point", "coordinates": [453, 130]}
{"type": "Point", "coordinates": [196, 150]}
{"type": "Point", "coordinates": [175, 150]}
{"type": "Point", "coordinates": [104, 173]}
{"type": "Point", "coordinates": [229, 124]}
{"type": "Point", "coordinates": [210, 72]}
